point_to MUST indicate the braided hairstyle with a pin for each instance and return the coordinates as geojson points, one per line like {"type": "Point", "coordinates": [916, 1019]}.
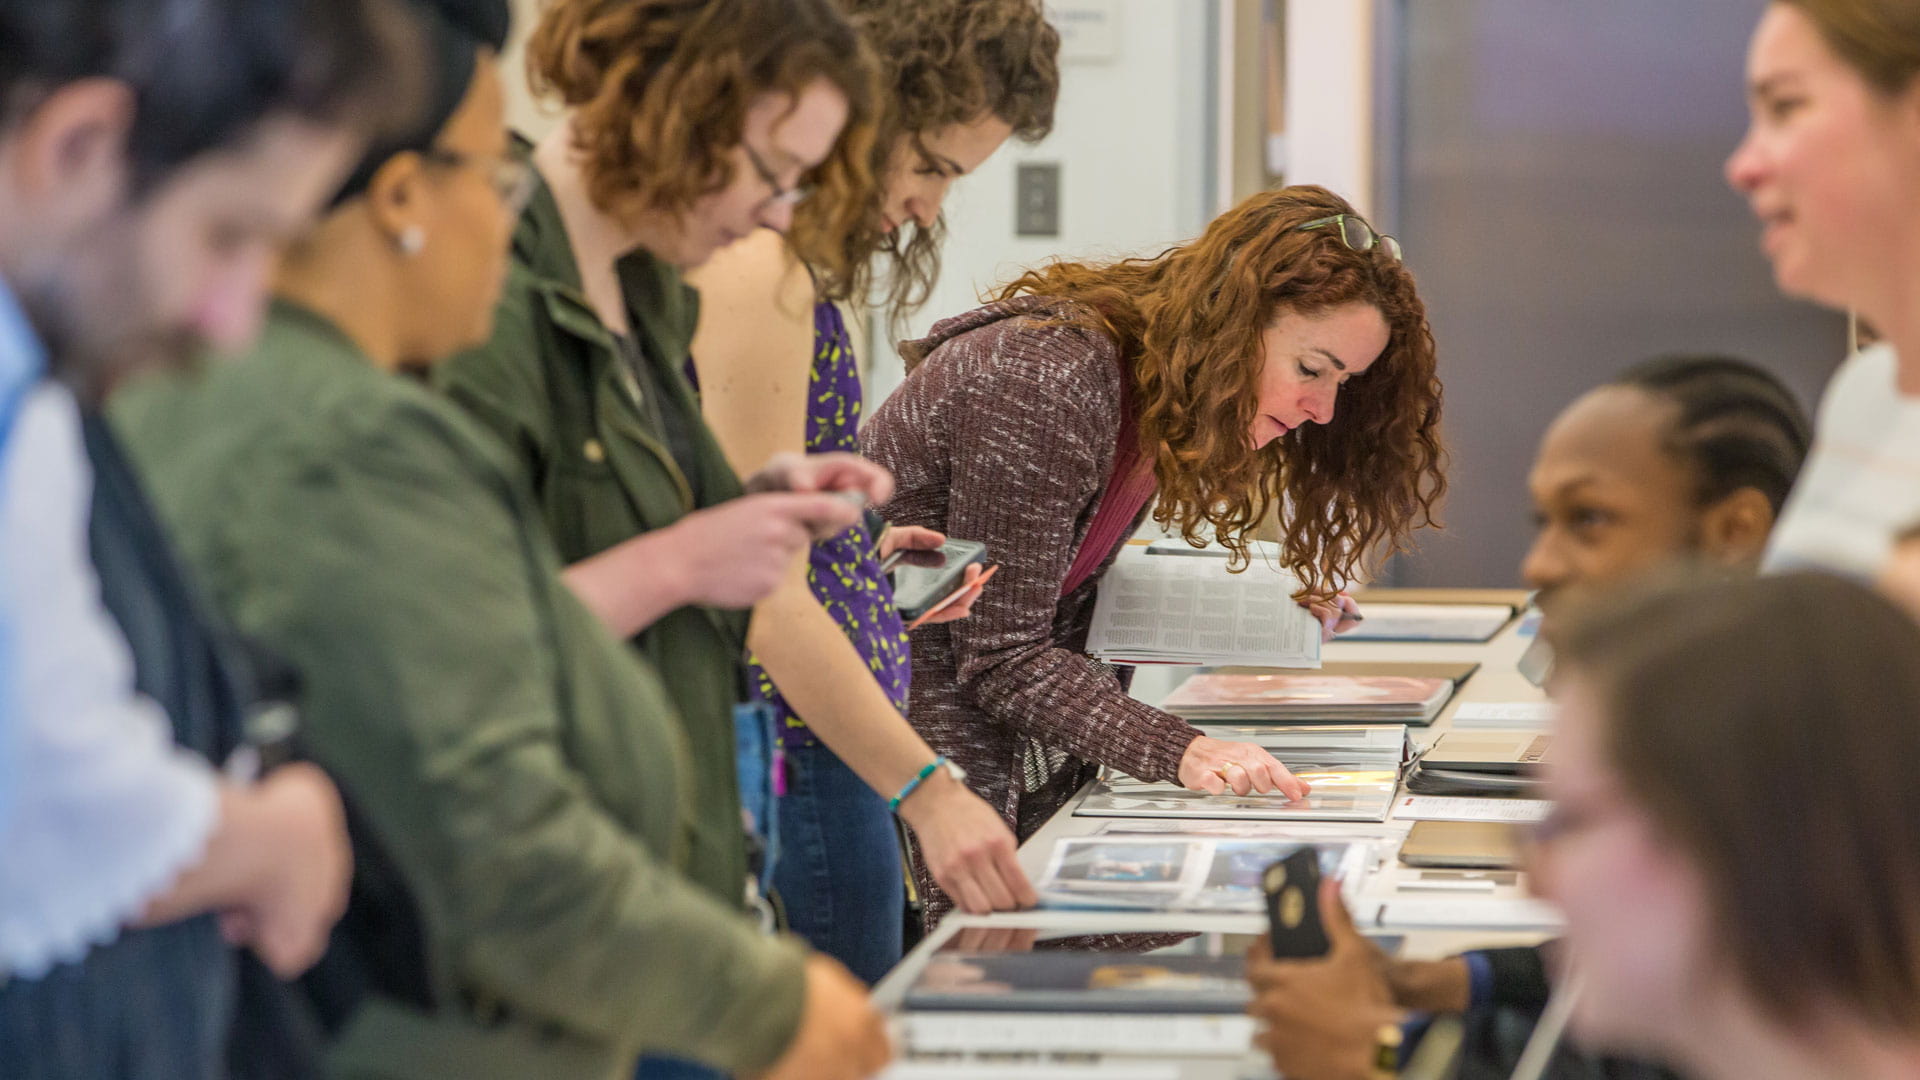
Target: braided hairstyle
{"type": "Point", "coordinates": [1738, 425]}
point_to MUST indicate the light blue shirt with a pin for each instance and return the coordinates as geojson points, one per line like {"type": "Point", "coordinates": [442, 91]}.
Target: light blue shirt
{"type": "Point", "coordinates": [22, 359]}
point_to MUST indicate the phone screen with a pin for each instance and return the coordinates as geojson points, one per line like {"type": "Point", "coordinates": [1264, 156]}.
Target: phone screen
{"type": "Point", "coordinates": [916, 588]}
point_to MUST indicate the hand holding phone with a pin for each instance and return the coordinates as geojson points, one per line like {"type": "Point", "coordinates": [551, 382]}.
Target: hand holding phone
{"type": "Point", "coordinates": [1292, 886]}
{"type": "Point", "coordinates": [919, 591]}
{"type": "Point", "coordinates": [958, 604]}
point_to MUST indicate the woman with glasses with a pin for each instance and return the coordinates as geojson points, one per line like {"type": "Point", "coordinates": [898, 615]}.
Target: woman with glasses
{"type": "Point", "coordinates": [687, 124]}
{"type": "Point", "coordinates": [1281, 360]}
{"type": "Point", "coordinates": [1710, 921]}
{"type": "Point", "coordinates": [777, 375]}
{"type": "Point", "coordinates": [525, 903]}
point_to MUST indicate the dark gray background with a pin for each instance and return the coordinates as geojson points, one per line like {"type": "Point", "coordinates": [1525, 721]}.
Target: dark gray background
{"type": "Point", "coordinates": [1554, 171]}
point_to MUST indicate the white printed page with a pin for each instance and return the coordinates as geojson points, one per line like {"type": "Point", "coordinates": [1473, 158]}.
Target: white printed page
{"type": "Point", "coordinates": [1504, 715]}
{"type": "Point", "coordinates": [1179, 610]}
{"type": "Point", "coordinates": [1469, 808]}
{"type": "Point", "coordinates": [1429, 622]}
{"type": "Point", "coordinates": [1478, 913]}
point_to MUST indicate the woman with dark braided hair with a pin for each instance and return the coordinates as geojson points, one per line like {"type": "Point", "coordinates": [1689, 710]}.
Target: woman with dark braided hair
{"type": "Point", "coordinates": [1207, 377]}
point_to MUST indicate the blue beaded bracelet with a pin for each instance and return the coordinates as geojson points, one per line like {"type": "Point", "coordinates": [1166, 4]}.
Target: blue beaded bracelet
{"type": "Point", "coordinates": [893, 804]}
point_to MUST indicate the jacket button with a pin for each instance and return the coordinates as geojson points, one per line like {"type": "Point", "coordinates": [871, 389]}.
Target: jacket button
{"type": "Point", "coordinates": [594, 452]}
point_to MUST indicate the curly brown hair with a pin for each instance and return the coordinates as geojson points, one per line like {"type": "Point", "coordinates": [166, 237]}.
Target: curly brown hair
{"type": "Point", "coordinates": [1189, 323]}
{"type": "Point", "coordinates": [942, 62]}
{"type": "Point", "coordinates": [659, 91]}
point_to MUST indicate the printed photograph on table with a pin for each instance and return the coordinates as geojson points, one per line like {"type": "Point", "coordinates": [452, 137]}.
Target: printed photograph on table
{"type": "Point", "coordinates": [999, 994]}
{"type": "Point", "coordinates": [1190, 874]}
{"type": "Point", "coordinates": [1125, 865]}
{"type": "Point", "coordinates": [1071, 981]}
{"type": "Point", "coordinates": [1337, 795]}
{"type": "Point", "coordinates": [1292, 699]}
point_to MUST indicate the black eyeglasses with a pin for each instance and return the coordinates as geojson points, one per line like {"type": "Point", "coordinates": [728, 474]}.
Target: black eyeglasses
{"type": "Point", "coordinates": [782, 194]}
{"type": "Point", "coordinates": [1357, 234]}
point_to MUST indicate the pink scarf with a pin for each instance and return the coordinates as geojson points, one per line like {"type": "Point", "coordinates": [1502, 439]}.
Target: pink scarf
{"type": "Point", "coordinates": [1129, 486]}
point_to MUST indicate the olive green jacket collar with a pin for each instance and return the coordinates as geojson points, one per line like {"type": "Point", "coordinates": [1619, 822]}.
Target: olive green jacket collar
{"type": "Point", "coordinates": [647, 283]}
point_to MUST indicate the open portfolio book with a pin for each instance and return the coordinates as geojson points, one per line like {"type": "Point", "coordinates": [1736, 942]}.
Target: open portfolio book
{"type": "Point", "coordinates": [1179, 606]}
{"type": "Point", "coordinates": [1353, 772]}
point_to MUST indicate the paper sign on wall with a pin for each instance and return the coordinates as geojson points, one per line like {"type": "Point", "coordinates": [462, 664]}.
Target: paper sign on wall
{"type": "Point", "coordinates": [1089, 30]}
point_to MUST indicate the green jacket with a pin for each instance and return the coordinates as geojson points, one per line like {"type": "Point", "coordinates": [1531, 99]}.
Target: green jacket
{"type": "Point", "coordinates": [550, 383]}
{"type": "Point", "coordinates": [523, 771]}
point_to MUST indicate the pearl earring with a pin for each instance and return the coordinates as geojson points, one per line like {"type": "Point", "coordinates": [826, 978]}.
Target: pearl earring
{"type": "Point", "coordinates": [412, 240]}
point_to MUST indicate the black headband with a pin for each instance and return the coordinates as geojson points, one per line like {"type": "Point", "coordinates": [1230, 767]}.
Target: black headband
{"type": "Point", "coordinates": [452, 33]}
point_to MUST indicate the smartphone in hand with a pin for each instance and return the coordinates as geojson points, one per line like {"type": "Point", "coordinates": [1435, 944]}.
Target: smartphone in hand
{"type": "Point", "coordinates": [1292, 886]}
{"type": "Point", "coordinates": [921, 587]}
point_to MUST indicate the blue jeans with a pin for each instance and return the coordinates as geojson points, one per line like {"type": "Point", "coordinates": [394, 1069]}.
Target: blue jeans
{"type": "Point", "coordinates": [839, 869]}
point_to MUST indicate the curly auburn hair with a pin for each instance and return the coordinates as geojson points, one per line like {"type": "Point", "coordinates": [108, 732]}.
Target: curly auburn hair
{"type": "Point", "coordinates": [942, 62]}
{"type": "Point", "coordinates": [1189, 323]}
{"type": "Point", "coordinates": [659, 92]}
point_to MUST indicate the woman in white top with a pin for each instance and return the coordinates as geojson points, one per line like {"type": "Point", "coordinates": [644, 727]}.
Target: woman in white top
{"type": "Point", "coordinates": [1831, 167]}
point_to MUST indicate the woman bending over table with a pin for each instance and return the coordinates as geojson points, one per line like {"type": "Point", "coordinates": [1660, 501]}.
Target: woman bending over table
{"type": "Point", "coordinates": [1045, 423]}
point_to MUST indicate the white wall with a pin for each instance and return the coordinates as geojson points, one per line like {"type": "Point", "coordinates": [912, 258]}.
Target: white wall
{"type": "Point", "coordinates": [1132, 138]}
{"type": "Point", "coordinates": [523, 115]}
{"type": "Point", "coordinates": [1329, 98]}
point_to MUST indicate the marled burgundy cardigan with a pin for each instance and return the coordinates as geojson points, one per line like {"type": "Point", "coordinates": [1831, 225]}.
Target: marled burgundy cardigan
{"type": "Point", "coordinates": [1004, 433]}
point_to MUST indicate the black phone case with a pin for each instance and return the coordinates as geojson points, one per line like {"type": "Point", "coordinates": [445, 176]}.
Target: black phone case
{"type": "Point", "coordinates": [1292, 886]}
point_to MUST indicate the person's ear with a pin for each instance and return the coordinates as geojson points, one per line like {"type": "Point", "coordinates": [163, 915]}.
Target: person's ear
{"type": "Point", "coordinates": [396, 202]}
{"type": "Point", "coordinates": [70, 152]}
{"type": "Point", "coordinates": [1734, 530]}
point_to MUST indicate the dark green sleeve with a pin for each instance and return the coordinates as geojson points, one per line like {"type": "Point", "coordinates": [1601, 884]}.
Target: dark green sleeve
{"type": "Point", "coordinates": [502, 384]}
{"type": "Point", "coordinates": [394, 573]}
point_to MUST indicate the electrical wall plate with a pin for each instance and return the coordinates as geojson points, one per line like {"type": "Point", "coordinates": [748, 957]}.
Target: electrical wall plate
{"type": "Point", "coordinates": [1036, 201]}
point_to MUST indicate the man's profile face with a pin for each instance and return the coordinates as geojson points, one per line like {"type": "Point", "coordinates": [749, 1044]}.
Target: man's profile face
{"type": "Point", "coordinates": [185, 266]}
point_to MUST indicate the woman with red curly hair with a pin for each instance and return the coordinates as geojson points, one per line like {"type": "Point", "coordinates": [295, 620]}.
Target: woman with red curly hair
{"type": "Point", "coordinates": [778, 375]}
{"type": "Point", "coordinates": [1282, 360]}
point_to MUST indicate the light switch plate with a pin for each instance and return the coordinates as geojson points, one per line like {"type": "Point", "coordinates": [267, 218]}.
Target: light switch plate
{"type": "Point", "coordinates": [1036, 193]}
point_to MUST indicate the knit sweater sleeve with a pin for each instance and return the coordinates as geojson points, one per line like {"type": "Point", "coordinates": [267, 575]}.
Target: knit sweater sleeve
{"type": "Point", "coordinates": [1031, 438]}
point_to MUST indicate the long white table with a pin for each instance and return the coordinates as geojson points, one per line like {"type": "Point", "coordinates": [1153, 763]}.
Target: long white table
{"type": "Point", "coordinates": [1496, 680]}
